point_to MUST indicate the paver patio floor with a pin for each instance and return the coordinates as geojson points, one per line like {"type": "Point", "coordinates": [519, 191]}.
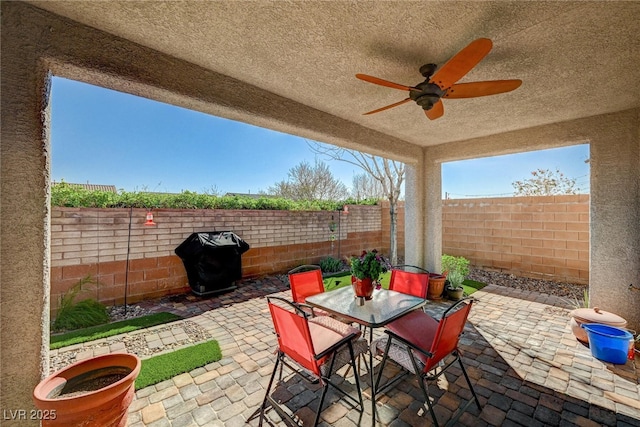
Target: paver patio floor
{"type": "Point", "coordinates": [524, 362]}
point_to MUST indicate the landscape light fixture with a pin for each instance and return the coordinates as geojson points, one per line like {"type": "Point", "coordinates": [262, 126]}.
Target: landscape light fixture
{"type": "Point", "coordinates": [149, 219]}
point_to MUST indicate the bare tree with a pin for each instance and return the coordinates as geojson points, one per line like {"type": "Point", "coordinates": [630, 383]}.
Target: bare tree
{"type": "Point", "coordinates": [306, 182]}
{"type": "Point", "coordinates": [545, 183]}
{"type": "Point", "coordinates": [364, 187]}
{"type": "Point", "coordinates": [388, 173]}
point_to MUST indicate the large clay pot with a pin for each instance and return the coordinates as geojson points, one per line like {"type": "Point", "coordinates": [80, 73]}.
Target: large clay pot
{"type": "Point", "coordinates": [85, 394]}
{"type": "Point", "coordinates": [363, 287]}
{"type": "Point", "coordinates": [592, 315]}
{"type": "Point", "coordinates": [436, 286]}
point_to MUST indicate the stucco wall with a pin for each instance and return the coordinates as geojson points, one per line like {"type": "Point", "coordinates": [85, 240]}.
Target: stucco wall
{"type": "Point", "coordinates": [24, 209]}
{"type": "Point", "coordinates": [35, 42]}
{"type": "Point", "coordinates": [614, 247]}
{"type": "Point", "coordinates": [615, 215]}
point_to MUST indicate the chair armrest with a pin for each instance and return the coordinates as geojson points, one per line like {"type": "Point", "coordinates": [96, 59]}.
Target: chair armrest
{"type": "Point", "coordinates": [408, 343]}
{"type": "Point", "coordinates": [301, 305]}
{"type": "Point", "coordinates": [296, 306]}
{"type": "Point", "coordinates": [336, 346]}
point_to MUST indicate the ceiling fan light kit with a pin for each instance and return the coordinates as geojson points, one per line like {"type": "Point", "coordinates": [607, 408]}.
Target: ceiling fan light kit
{"type": "Point", "coordinates": [442, 83]}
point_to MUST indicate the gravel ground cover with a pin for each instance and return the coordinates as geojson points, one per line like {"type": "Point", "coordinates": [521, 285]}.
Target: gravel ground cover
{"type": "Point", "coordinates": [570, 291]}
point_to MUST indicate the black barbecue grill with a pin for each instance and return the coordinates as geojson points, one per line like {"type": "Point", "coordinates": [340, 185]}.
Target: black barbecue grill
{"type": "Point", "coordinates": [213, 261]}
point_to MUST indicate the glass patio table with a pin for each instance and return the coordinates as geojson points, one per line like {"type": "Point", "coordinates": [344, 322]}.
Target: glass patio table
{"type": "Point", "coordinates": [385, 307]}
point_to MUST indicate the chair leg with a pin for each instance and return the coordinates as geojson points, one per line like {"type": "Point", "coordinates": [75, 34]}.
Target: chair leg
{"type": "Point", "coordinates": [266, 395]}
{"type": "Point", "coordinates": [425, 392]}
{"type": "Point", "coordinates": [466, 376]}
{"type": "Point", "coordinates": [353, 364]}
{"type": "Point", "coordinates": [325, 388]}
{"type": "Point", "coordinates": [381, 367]}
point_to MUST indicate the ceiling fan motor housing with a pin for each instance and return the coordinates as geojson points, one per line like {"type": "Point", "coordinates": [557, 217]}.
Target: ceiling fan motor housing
{"type": "Point", "coordinates": [426, 94]}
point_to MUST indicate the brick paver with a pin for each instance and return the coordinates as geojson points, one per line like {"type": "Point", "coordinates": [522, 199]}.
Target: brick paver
{"type": "Point", "coordinates": [525, 364]}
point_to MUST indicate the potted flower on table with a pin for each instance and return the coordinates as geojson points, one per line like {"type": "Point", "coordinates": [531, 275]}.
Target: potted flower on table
{"type": "Point", "coordinates": [365, 270]}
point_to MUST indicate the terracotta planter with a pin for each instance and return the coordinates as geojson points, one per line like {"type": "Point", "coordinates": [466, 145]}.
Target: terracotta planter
{"type": "Point", "coordinates": [93, 392]}
{"type": "Point", "coordinates": [592, 315]}
{"type": "Point", "coordinates": [363, 287]}
{"type": "Point", "coordinates": [436, 286]}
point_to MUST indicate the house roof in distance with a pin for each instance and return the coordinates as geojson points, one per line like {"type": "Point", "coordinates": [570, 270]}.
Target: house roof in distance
{"type": "Point", "coordinates": [92, 187]}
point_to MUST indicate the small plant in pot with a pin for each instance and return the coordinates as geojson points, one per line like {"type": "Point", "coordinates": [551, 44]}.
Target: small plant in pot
{"type": "Point", "coordinates": [365, 270]}
{"type": "Point", "coordinates": [451, 263]}
{"type": "Point", "coordinates": [454, 289]}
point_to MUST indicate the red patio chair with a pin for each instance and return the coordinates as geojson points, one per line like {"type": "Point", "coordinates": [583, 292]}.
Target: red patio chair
{"type": "Point", "coordinates": [409, 282]}
{"type": "Point", "coordinates": [306, 280]}
{"type": "Point", "coordinates": [314, 349]}
{"type": "Point", "coordinates": [418, 343]}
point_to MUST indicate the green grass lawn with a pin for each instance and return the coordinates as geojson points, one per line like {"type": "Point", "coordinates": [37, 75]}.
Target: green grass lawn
{"type": "Point", "coordinates": [336, 282]}
{"type": "Point", "coordinates": [162, 367]}
{"type": "Point", "coordinates": [110, 329]}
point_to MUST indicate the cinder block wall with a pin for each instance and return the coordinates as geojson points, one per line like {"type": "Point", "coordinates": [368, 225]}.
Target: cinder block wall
{"type": "Point", "coordinates": [96, 241]}
{"type": "Point", "coordinates": [545, 237]}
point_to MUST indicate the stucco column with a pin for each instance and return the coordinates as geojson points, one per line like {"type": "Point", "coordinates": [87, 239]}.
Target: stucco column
{"type": "Point", "coordinates": [615, 218]}
{"type": "Point", "coordinates": [413, 214]}
{"type": "Point", "coordinates": [432, 213]}
{"type": "Point", "coordinates": [24, 206]}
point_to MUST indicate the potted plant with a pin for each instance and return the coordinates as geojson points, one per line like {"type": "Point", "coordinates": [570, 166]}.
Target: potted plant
{"type": "Point", "coordinates": [94, 392]}
{"type": "Point", "coordinates": [365, 270]}
{"type": "Point", "coordinates": [455, 291]}
{"type": "Point", "coordinates": [451, 263]}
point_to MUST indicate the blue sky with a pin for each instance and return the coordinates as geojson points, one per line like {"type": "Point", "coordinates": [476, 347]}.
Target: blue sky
{"type": "Point", "coordinates": [105, 137]}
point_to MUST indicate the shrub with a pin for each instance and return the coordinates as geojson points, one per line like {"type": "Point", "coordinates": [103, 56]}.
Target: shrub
{"type": "Point", "coordinates": [451, 263]}
{"type": "Point", "coordinates": [72, 315]}
{"type": "Point", "coordinates": [331, 265]}
{"type": "Point", "coordinates": [75, 196]}
{"type": "Point", "coordinates": [85, 313]}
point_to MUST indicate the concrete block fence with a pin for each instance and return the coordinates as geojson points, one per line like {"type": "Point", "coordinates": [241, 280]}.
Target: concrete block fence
{"type": "Point", "coordinates": [533, 236]}
{"type": "Point", "coordinates": [542, 237]}
{"type": "Point", "coordinates": [87, 241]}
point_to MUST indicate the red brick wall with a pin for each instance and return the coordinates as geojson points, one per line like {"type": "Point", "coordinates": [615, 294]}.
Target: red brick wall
{"type": "Point", "coordinates": [544, 237]}
{"type": "Point", "coordinates": [94, 241]}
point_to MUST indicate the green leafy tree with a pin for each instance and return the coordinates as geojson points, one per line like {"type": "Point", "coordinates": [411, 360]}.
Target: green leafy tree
{"type": "Point", "coordinates": [310, 182]}
{"type": "Point", "coordinates": [545, 183]}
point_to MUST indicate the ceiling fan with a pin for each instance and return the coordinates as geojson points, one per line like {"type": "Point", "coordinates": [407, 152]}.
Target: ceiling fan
{"type": "Point", "coordinates": [442, 84]}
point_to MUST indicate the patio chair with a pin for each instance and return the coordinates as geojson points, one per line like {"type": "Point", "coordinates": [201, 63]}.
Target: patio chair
{"type": "Point", "coordinates": [311, 349]}
{"type": "Point", "coordinates": [306, 280]}
{"type": "Point", "coordinates": [409, 282]}
{"type": "Point", "coordinates": [419, 343]}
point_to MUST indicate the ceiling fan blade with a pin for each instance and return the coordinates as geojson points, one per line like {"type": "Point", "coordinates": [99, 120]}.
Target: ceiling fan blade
{"type": "Point", "coordinates": [461, 63]}
{"type": "Point", "coordinates": [471, 90]}
{"type": "Point", "coordinates": [436, 111]}
{"type": "Point", "coordinates": [381, 82]}
{"type": "Point", "coordinates": [387, 107]}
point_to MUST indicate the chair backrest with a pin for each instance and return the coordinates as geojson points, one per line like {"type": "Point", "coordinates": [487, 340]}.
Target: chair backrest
{"type": "Point", "coordinates": [449, 331]}
{"type": "Point", "coordinates": [305, 283]}
{"type": "Point", "coordinates": [409, 282]}
{"type": "Point", "coordinates": [294, 337]}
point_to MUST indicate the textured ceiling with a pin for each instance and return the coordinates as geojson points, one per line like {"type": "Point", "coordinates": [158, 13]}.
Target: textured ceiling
{"type": "Point", "coordinates": [576, 59]}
